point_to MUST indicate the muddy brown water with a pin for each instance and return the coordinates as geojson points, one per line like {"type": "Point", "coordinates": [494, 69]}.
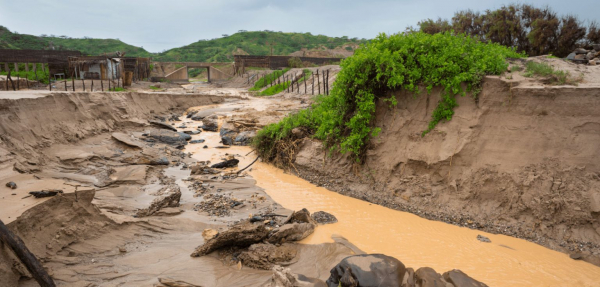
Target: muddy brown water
{"type": "Point", "coordinates": [416, 241]}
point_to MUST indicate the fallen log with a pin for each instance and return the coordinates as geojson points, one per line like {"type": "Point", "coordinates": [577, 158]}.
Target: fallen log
{"type": "Point", "coordinates": [29, 260]}
{"type": "Point", "coordinates": [45, 193]}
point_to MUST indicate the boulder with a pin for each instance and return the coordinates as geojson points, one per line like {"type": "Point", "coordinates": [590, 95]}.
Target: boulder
{"type": "Point", "coordinates": [368, 270]}
{"type": "Point", "coordinates": [409, 278]}
{"type": "Point", "coordinates": [197, 141]}
{"type": "Point", "coordinates": [200, 115]}
{"type": "Point", "coordinates": [323, 217]}
{"type": "Point", "coordinates": [11, 185]}
{"type": "Point", "coordinates": [244, 138]}
{"type": "Point", "coordinates": [226, 140]}
{"type": "Point", "coordinates": [483, 239]}
{"type": "Point", "coordinates": [459, 278]}
{"type": "Point", "coordinates": [427, 277]}
{"type": "Point", "coordinates": [210, 125]}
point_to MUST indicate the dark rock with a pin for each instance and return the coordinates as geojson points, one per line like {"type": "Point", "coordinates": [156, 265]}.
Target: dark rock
{"type": "Point", "coordinates": [227, 140]}
{"type": "Point", "coordinates": [169, 137]}
{"type": "Point", "coordinates": [580, 51]}
{"type": "Point", "coordinates": [244, 138]}
{"type": "Point", "coordinates": [45, 193]}
{"type": "Point", "coordinates": [256, 218]}
{"type": "Point", "coordinates": [576, 256]}
{"type": "Point", "coordinates": [228, 129]}
{"type": "Point", "coordinates": [368, 270]}
{"type": "Point", "coordinates": [205, 146]}
{"type": "Point", "coordinates": [11, 184]}
{"type": "Point", "coordinates": [459, 278]}
{"type": "Point", "coordinates": [210, 125]}
{"type": "Point", "coordinates": [197, 141]}
{"type": "Point", "coordinates": [483, 239]}
{"type": "Point", "coordinates": [174, 118]}
{"type": "Point", "coordinates": [226, 164]}
{"type": "Point", "coordinates": [427, 277]}
{"type": "Point", "coordinates": [192, 132]}
{"type": "Point", "coordinates": [571, 56]}
{"type": "Point", "coordinates": [160, 161]}
{"type": "Point", "coordinates": [596, 47]}
{"type": "Point", "coordinates": [163, 125]}
{"type": "Point", "coordinates": [182, 127]}
{"type": "Point", "coordinates": [323, 217]}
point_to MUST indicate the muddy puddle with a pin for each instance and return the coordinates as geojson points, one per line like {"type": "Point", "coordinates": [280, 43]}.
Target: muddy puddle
{"type": "Point", "coordinates": [417, 242]}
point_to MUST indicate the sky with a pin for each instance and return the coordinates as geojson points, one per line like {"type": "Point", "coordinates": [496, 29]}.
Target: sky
{"type": "Point", "coordinates": [159, 25]}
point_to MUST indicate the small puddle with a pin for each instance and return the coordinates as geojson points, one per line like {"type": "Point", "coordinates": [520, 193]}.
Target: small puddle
{"type": "Point", "coordinates": [418, 242]}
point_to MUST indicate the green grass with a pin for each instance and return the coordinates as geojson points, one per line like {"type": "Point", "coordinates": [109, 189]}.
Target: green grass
{"type": "Point", "coordinates": [344, 120]}
{"type": "Point", "coordinates": [155, 88]}
{"type": "Point", "coordinates": [118, 89]}
{"type": "Point", "coordinates": [268, 79]}
{"type": "Point", "coordinates": [276, 89]}
{"type": "Point", "coordinates": [557, 77]}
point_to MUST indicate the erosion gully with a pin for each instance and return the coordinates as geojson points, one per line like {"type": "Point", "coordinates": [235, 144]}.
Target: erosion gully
{"type": "Point", "coordinates": [416, 241]}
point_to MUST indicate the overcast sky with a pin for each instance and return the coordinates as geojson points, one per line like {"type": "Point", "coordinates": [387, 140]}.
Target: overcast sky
{"type": "Point", "coordinates": [163, 24]}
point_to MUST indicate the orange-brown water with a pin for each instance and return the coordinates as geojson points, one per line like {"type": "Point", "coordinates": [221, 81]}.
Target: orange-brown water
{"type": "Point", "coordinates": [418, 242]}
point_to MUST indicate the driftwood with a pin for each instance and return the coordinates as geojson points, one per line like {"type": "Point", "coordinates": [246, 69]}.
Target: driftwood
{"type": "Point", "coordinates": [29, 260]}
{"type": "Point", "coordinates": [45, 193]}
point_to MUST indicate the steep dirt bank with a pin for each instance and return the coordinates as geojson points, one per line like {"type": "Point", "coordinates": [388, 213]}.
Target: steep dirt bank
{"type": "Point", "coordinates": [29, 124]}
{"type": "Point", "coordinates": [521, 161]}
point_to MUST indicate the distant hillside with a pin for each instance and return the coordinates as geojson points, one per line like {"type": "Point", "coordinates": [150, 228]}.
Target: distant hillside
{"type": "Point", "coordinates": [93, 47]}
{"type": "Point", "coordinates": [255, 43]}
{"type": "Point", "coordinates": [215, 50]}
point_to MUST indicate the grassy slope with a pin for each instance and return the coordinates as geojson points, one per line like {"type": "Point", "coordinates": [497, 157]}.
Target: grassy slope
{"type": "Point", "coordinates": [94, 47]}
{"type": "Point", "coordinates": [254, 43]}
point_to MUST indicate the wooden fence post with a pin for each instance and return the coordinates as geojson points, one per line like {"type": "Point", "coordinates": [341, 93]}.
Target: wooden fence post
{"type": "Point", "coordinates": [83, 84]}
{"type": "Point", "coordinates": [101, 84]}
{"type": "Point", "coordinates": [305, 79]}
{"type": "Point", "coordinates": [318, 82]}
{"type": "Point", "coordinates": [29, 260]}
{"type": "Point", "coordinates": [73, 80]}
{"type": "Point", "coordinates": [328, 82]}
{"type": "Point", "coordinates": [18, 82]}
{"type": "Point", "coordinates": [313, 84]}
{"type": "Point", "coordinates": [65, 85]}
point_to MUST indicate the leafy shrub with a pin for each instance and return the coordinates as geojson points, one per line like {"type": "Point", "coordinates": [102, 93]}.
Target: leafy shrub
{"type": "Point", "coordinates": [295, 62]}
{"type": "Point", "coordinates": [194, 72]}
{"type": "Point", "coordinates": [344, 120]}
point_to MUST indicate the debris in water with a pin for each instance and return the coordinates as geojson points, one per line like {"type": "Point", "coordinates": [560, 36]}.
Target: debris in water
{"type": "Point", "coordinates": [11, 184]}
{"type": "Point", "coordinates": [45, 193]}
{"type": "Point", "coordinates": [323, 217]}
{"type": "Point", "coordinates": [226, 164]}
{"type": "Point", "coordinates": [483, 239]}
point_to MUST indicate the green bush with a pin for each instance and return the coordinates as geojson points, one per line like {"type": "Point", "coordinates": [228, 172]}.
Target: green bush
{"type": "Point", "coordinates": [344, 119]}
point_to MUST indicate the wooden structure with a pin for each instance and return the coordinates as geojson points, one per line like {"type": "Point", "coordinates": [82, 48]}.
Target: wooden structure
{"type": "Point", "coordinates": [56, 60]}
{"type": "Point", "coordinates": [274, 62]}
{"type": "Point", "coordinates": [108, 68]}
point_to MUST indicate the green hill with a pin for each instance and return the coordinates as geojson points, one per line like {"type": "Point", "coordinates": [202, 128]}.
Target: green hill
{"type": "Point", "coordinates": [253, 43]}
{"type": "Point", "coordinates": [93, 47]}
{"type": "Point", "coordinates": [215, 50]}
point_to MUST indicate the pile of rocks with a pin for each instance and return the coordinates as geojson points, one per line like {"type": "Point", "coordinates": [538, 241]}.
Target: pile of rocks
{"type": "Point", "coordinates": [217, 204]}
{"type": "Point", "coordinates": [583, 56]}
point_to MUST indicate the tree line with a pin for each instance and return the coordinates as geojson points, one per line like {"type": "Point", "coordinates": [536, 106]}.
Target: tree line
{"type": "Point", "coordinates": [535, 31]}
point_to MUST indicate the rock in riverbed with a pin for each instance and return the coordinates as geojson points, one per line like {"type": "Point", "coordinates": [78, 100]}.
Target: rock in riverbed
{"type": "Point", "coordinates": [323, 217]}
{"type": "Point", "coordinates": [11, 185]}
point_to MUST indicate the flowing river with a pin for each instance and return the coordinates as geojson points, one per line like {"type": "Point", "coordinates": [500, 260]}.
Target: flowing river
{"type": "Point", "coordinates": [415, 241]}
